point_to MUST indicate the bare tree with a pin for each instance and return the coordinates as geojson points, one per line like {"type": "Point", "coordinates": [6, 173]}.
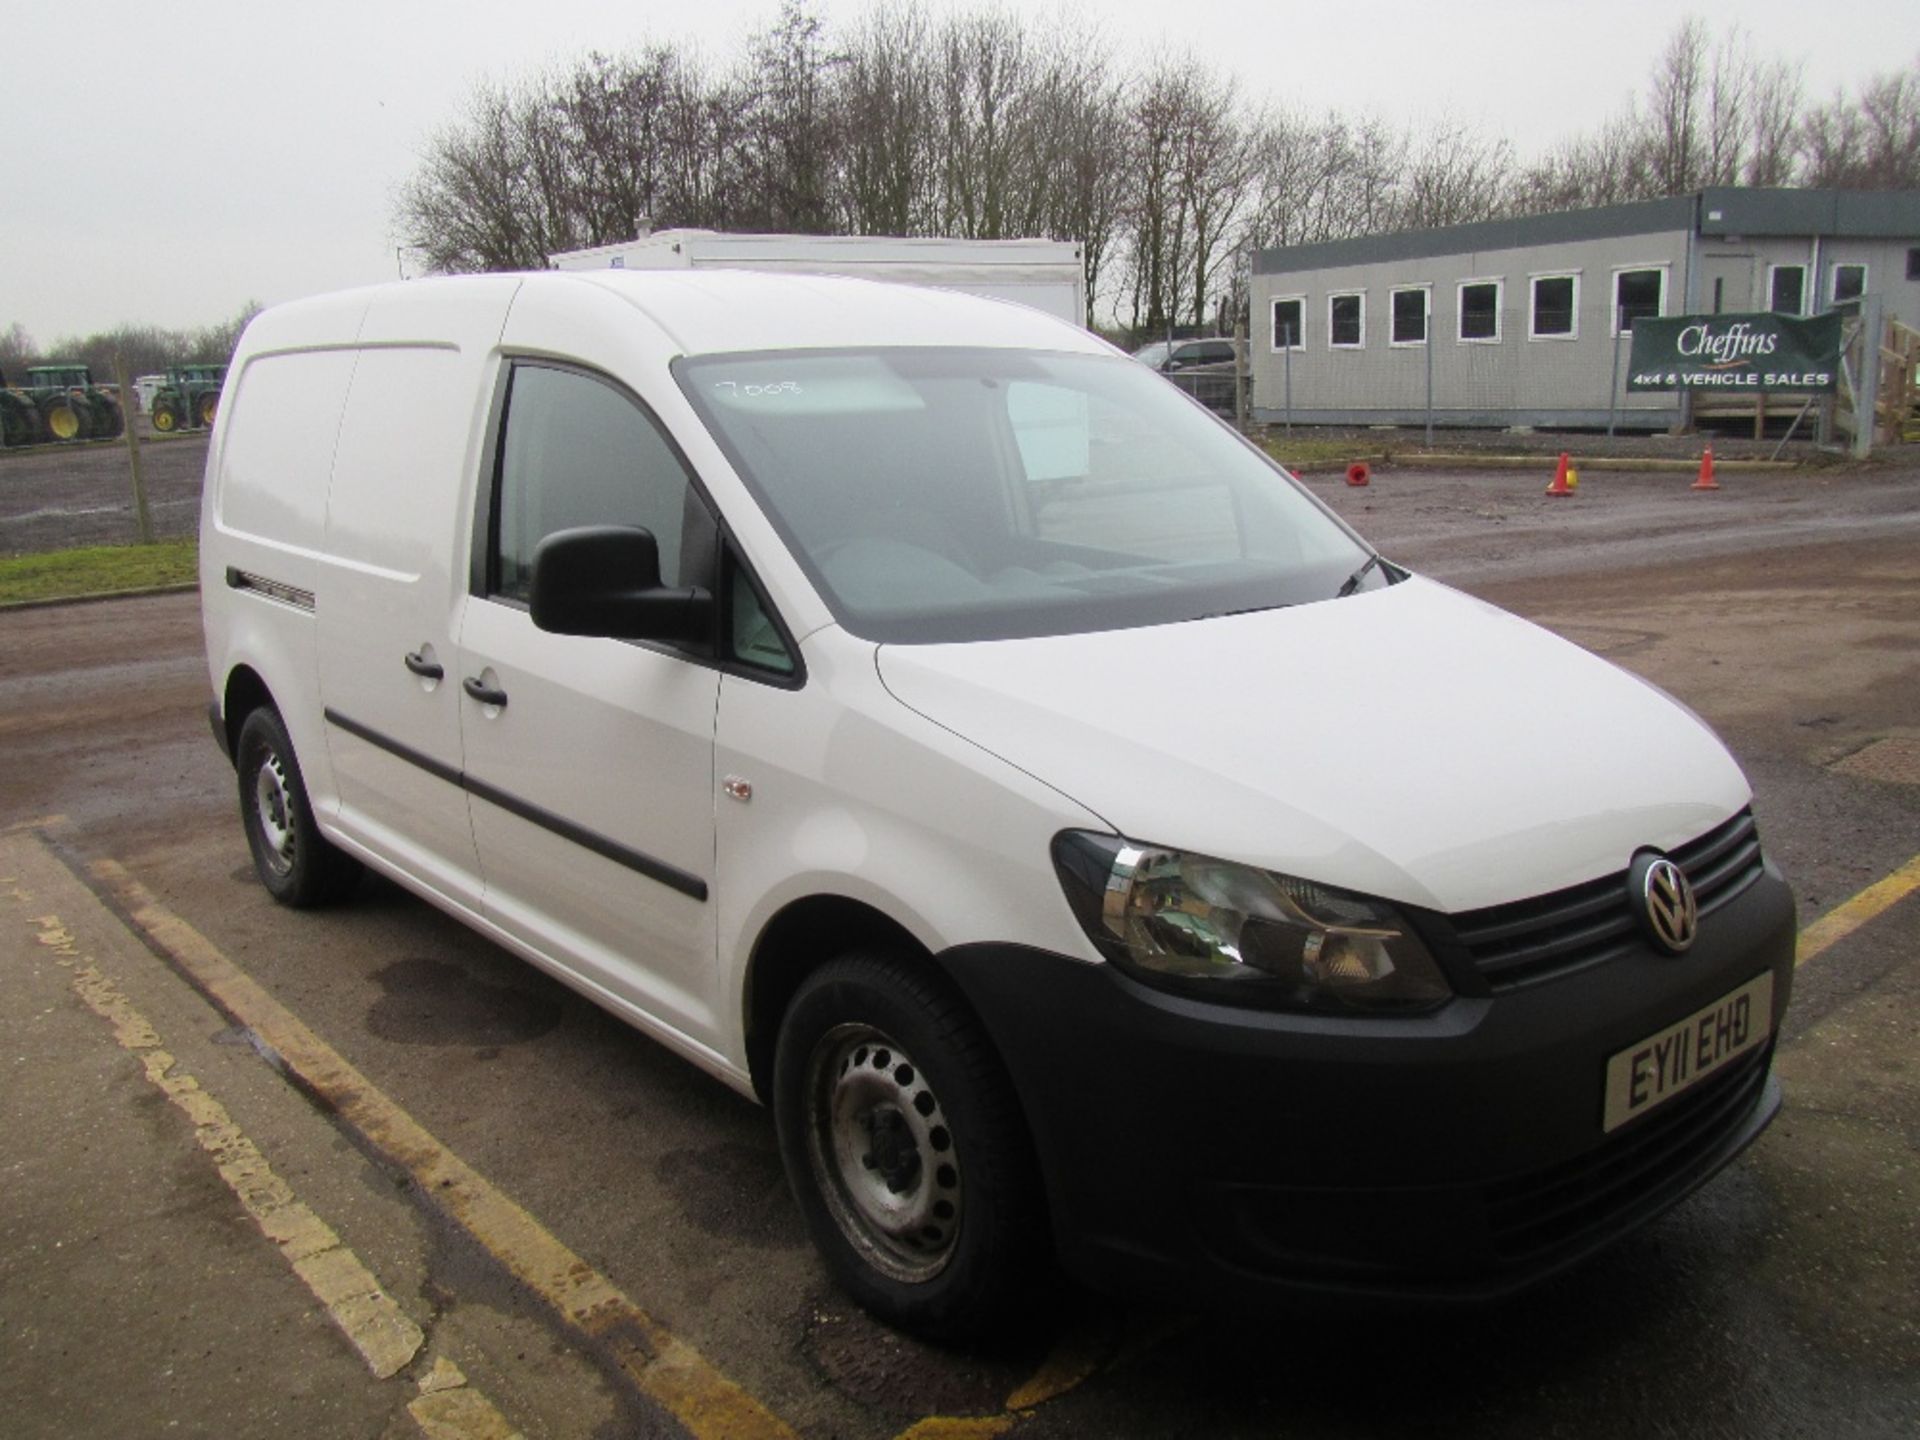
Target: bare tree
{"type": "Point", "coordinates": [978, 123]}
{"type": "Point", "coordinates": [1675, 106]}
{"type": "Point", "coordinates": [1890, 111]}
{"type": "Point", "coordinates": [987, 71]}
{"type": "Point", "coordinates": [792, 124]}
{"type": "Point", "coordinates": [1454, 176]}
{"type": "Point", "coordinates": [888, 116]}
{"type": "Point", "coordinates": [1729, 107]}
{"type": "Point", "coordinates": [1776, 124]}
{"type": "Point", "coordinates": [482, 199]}
{"type": "Point", "coordinates": [17, 350]}
{"type": "Point", "coordinates": [1286, 175]}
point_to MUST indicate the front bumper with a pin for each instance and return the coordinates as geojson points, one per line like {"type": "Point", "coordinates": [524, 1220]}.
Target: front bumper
{"type": "Point", "coordinates": [1210, 1154]}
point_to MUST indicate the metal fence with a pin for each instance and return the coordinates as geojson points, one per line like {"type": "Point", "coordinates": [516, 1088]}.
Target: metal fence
{"type": "Point", "coordinates": [1504, 368]}
{"type": "Point", "coordinates": [59, 494]}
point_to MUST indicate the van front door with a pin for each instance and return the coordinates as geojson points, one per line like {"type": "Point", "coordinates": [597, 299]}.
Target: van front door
{"type": "Point", "coordinates": [589, 762]}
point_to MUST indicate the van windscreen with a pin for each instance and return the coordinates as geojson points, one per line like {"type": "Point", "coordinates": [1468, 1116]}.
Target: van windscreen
{"type": "Point", "coordinates": [949, 494]}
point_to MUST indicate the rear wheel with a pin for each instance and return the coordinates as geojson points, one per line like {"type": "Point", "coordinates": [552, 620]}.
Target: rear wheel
{"type": "Point", "coordinates": [62, 419]}
{"type": "Point", "coordinates": [209, 407]}
{"type": "Point", "coordinates": [16, 422]}
{"type": "Point", "coordinates": [296, 863]}
{"type": "Point", "coordinates": [905, 1147]}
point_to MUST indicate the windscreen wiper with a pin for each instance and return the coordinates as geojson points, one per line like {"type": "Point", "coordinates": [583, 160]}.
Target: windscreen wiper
{"type": "Point", "coordinates": [1353, 581]}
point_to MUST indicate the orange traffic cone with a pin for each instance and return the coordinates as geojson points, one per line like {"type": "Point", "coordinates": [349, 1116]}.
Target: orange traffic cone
{"type": "Point", "coordinates": [1559, 485]}
{"type": "Point", "coordinates": [1706, 480]}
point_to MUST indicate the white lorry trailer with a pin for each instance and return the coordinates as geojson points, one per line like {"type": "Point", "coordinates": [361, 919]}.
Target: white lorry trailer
{"type": "Point", "coordinates": [1046, 274]}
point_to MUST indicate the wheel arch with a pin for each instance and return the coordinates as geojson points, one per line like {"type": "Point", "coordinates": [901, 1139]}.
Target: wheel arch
{"type": "Point", "coordinates": [243, 693]}
{"type": "Point", "coordinates": [798, 940]}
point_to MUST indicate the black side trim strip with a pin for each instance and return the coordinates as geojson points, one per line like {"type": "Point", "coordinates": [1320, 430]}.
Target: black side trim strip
{"type": "Point", "coordinates": [435, 768]}
{"type": "Point", "coordinates": [657, 870]}
{"type": "Point", "coordinates": [668, 875]}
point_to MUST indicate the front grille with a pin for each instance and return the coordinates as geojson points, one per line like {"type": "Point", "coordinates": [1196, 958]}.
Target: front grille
{"type": "Point", "coordinates": [1642, 1166]}
{"type": "Point", "coordinates": [1550, 935]}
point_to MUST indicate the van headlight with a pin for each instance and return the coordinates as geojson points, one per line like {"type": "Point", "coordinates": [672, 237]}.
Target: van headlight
{"type": "Point", "coordinates": [1218, 930]}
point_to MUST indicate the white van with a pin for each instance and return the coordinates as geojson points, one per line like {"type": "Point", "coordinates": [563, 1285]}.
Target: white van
{"type": "Point", "coordinates": [923, 718]}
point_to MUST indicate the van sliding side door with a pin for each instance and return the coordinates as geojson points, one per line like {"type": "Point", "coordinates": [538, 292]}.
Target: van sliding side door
{"type": "Point", "coordinates": [389, 595]}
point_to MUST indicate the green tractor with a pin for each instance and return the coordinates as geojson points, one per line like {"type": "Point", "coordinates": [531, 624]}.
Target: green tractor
{"type": "Point", "coordinates": [190, 398]}
{"type": "Point", "coordinates": [71, 406]}
{"type": "Point", "coordinates": [19, 418]}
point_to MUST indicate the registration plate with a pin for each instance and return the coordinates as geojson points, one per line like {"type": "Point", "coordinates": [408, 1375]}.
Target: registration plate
{"type": "Point", "coordinates": [1664, 1064]}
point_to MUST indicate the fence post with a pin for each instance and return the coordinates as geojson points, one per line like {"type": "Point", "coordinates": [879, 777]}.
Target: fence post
{"type": "Point", "coordinates": [1241, 360]}
{"type": "Point", "coordinates": [1866, 407]}
{"type": "Point", "coordinates": [1613, 385]}
{"type": "Point", "coordinates": [130, 415]}
{"type": "Point", "coordinates": [1427, 300]}
{"type": "Point", "coordinates": [1287, 369]}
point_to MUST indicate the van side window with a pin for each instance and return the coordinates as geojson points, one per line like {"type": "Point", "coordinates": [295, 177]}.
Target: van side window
{"type": "Point", "coordinates": [577, 450]}
{"type": "Point", "coordinates": [753, 639]}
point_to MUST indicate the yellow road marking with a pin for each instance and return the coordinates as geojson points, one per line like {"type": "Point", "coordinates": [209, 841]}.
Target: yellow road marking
{"type": "Point", "coordinates": [369, 1317]}
{"type": "Point", "coordinates": [667, 1369]}
{"type": "Point", "coordinates": [1071, 1362]}
{"type": "Point", "coordinates": [447, 1407]}
{"type": "Point", "coordinates": [1074, 1359]}
{"type": "Point", "coordinates": [705, 1401]}
{"type": "Point", "coordinates": [946, 1427]}
{"type": "Point", "coordinates": [39, 822]}
{"type": "Point", "coordinates": [450, 1409]}
{"type": "Point", "coordinates": [1850, 915]}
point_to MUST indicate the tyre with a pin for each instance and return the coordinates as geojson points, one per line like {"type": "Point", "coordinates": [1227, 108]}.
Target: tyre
{"type": "Point", "coordinates": [107, 420]}
{"type": "Point", "coordinates": [296, 863]}
{"type": "Point", "coordinates": [165, 419]}
{"type": "Point", "coordinates": [17, 422]}
{"type": "Point", "coordinates": [208, 406]}
{"type": "Point", "coordinates": [905, 1147]}
{"type": "Point", "coordinates": [61, 419]}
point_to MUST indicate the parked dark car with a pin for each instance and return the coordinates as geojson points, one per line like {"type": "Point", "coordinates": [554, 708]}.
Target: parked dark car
{"type": "Point", "coordinates": [1205, 369]}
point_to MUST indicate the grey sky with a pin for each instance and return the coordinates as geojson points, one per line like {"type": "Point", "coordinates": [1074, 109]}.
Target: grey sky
{"type": "Point", "coordinates": [165, 164]}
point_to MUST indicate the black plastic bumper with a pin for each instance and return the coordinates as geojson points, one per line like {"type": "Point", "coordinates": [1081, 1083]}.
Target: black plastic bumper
{"type": "Point", "coordinates": [219, 724]}
{"type": "Point", "coordinates": [1211, 1154]}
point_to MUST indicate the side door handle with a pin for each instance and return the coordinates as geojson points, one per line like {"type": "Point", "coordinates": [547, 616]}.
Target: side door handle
{"type": "Point", "coordinates": [426, 669]}
{"type": "Point", "coordinates": [483, 692]}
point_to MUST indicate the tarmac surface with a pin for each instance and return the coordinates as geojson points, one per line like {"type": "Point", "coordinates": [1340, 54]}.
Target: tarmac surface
{"type": "Point", "coordinates": [151, 1270]}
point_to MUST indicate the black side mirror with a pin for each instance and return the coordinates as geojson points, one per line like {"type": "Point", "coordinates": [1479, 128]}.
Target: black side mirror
{"type": "Point", "coordinates": [605, 580]}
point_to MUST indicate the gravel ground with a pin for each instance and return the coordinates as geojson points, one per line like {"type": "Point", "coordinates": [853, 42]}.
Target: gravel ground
{"type": "Point", "coordinates": [54, 497]}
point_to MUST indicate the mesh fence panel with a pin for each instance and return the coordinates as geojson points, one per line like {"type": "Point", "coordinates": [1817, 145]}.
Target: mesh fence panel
{"type": "Point", "coordinates": [56, 494]}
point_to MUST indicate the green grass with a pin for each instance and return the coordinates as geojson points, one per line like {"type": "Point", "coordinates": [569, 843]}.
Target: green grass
{"type": "Point", "coordinates": [97, 570]}
{"type": "Point", "coordinates": [1312, 451]}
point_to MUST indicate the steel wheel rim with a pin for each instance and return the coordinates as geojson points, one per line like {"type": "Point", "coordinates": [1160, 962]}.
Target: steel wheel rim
{"type": "Point", "coordinates": [882, 1153]}
{"type": "Point", "coordinates": [273, 812]}
{"type": "Point", "coordinates": [63, 422]}
{"type": "Point", "coordinates": [163, 420]}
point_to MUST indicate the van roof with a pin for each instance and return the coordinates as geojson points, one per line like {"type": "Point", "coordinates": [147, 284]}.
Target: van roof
{"type": "Point", "coordinates": [716, 311]}
{"type": "Point", "coordinates": [720, 311]}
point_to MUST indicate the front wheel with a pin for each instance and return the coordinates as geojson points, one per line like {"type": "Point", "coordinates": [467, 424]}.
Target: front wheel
{"type": "Point", "coordinates": [298, 865]}
{"type": "Point", "coordinates": [905, 1147]}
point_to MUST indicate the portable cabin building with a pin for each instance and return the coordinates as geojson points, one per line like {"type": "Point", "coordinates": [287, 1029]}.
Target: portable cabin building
{"type": "Point", "coordinates": [1529, 321]}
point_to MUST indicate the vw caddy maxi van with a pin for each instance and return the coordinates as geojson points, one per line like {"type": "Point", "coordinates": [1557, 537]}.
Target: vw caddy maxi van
{"type": "Point", "coordinates": [930, 722]}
